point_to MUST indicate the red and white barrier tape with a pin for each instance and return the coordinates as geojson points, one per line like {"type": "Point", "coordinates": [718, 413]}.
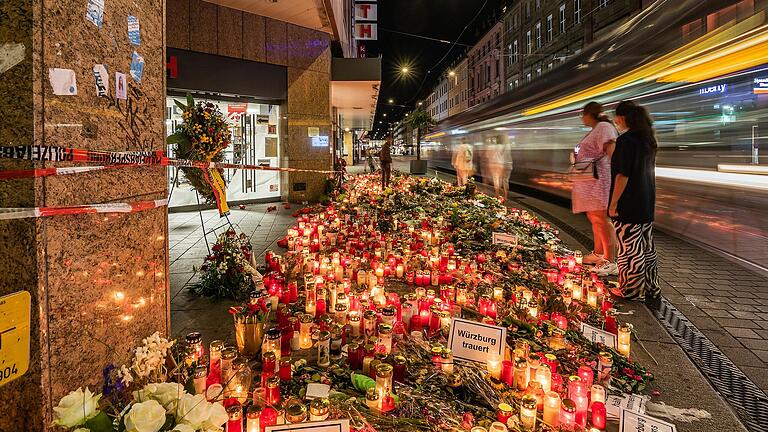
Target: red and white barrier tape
{"type": "Point", "coordinates": [37, 212]}
{"type": "Point", "coordinates": [114, 159]}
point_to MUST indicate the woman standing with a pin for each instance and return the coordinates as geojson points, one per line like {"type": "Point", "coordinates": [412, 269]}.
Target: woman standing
{"type": "Point", "coordinates": [632, 204]}
{"type": "Point", "coordinates": [591, 196]}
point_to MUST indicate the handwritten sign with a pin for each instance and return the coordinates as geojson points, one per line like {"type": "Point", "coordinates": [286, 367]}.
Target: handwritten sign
{"type": "Point", "coordinates": [504, 239]}
{"type": "Point", "coordinates": [598, 336]}
{"type": "Point", "coordinates": [631, 421]}
{"type": "Point", "coordinates": [324, 426]}
{"type": "Point", "coordinates": [632, 402]}
{"type": "Point", "coordinates": [14, 335]}
{"type": "Point", "coordinates": [473, 341]}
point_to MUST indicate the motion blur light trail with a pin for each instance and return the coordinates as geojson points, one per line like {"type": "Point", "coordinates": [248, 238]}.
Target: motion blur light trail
{"type": "Point", "coordinates": [710, 112]}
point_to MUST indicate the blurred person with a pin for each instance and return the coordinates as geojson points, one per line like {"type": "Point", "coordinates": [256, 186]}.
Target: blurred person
{"type": "Point", "coordinates": [385, 158]}
{"type": "Point", "coordinates": [498, 166]}
{"type": "Point", "coordinates": [462, 162]}
{"type": "Point", "coordinates": [590, 196]}
{"type": "Point", "coordinates": [369, 160]}
{"type": "Point", "coordinates": [632, 203]}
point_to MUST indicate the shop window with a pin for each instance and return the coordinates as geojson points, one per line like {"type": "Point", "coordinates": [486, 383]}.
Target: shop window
{"type": "Point", "coordinates": [576, 11]}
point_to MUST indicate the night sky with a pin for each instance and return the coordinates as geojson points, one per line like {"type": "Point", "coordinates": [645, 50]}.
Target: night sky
{"type": "Point", "coordinates": [439, 19]}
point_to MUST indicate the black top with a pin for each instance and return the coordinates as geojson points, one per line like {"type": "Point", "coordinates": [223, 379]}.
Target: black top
{"type": "Point", "coordinates": [635, 159]}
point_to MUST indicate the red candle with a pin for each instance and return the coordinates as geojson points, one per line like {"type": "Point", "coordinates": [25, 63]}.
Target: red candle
{"type": "Point", "coordinates": [507, 375]}
{"type": "Point", "coordinates": [268, 417]}
{"type": "Point", "coordinates": [272, 391]}
{"type": "Point", "coordinates": [599, 415]}
{"type": "Point", "coordinates": [235, 422]}
{"type": "Point", "coordinates": [586, 374]}
{"type": "Point", "coordinates": [293, 292]}
{"type": "Point", "coordinates": [285, 370]}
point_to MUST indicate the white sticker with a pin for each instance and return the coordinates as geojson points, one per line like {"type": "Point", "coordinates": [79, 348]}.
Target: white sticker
{"type": "Point", "coordinates": [121, 92]}
{"type": "Point", "coordinates": [95, 12]}
{"type": "Point", "coordinates": [598, 336]}
{"type": "Point", "coordinates": [632, 402]}
{"type": "Point", "coordinates": [505, 239]}
{"type": "Point", "coordinates": [137, 67]}
{"type": "Point", "coordinates": [323, 426]}
{"type": "Point", "coordinates": [631, 421]}
{"type": "Point", "coordinates": [273, 188]}
{"type": "Point", "coordinates": [474, 341]}
{"type": "Point", "coordinates": [63, 81]}
{"type": "Point", "coordinates": [102, 80]}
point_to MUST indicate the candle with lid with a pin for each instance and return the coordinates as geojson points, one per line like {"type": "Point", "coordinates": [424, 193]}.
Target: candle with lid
{"type": "Point", "coordinates": [567, 415]}
{"type": "Point", "coordinates": [319, 409]}
{"type": "Point", "coordinates": [235, 418]}
{"type": "Point", "coordinates": [252, 419]}
{"type": "Point", "coordinates": [528, 413]}
{"type": "Point", "coordinates": [552, 408]}
{"type": "Point", "coordinates": [624, 339]}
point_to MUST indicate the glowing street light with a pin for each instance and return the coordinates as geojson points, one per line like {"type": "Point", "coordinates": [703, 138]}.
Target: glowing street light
{"type": "Point", "coordinates": [391, 100]}
{"type": "Point", "coordinates": [420, 103]}
{"type": "Point", "coordinates": [451, 73]}
{"type": "Point", "coordinates": [404, 69]}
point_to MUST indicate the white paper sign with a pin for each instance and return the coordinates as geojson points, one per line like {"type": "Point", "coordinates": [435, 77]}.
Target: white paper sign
{"type": "Point", "coordinates": [598, 336]}
{"type": "Point", "coordinates": [474, 341]}
{"type": "Point", "coordinates": [63, 81]}
{"type": "Point", "coordinates": [317, 391]}
{"type": "Point", "coordinates": [632, 402]}
{"type": "Point", "coordinates": [341, 425]}
{"type": "Point", "coordinates": [505, 239]}
{"type": "Point", "coordinates": [121, 90]}
{"type": "Point", "coordinates": [635, 422]}
{"type": "Point", "coordinates": [102, 80]}
{"type": "Point", "coordinates": [366, 12]}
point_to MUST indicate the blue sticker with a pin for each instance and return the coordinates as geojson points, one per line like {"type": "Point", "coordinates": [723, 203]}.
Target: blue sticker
{"type": "Point", "coordinates": [133, 30]}
{"type": "Point", "coordinates": [137, 67]}
{"type": "Point", "coordinates": [95, 13]}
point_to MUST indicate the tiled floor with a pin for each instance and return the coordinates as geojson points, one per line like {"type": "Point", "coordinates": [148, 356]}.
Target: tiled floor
{"type": "Point", "coordinates": [188, 248]}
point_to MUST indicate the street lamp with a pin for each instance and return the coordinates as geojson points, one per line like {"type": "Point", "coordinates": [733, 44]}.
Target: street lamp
{"type": "Point", "coordinates": [451, 73]}
{"type": "Point", "coordinates": [391, 100]}
{"type": "Point", "coordinates": [420, 103]}
{"type": "Point", "coordinates": [404, 69]}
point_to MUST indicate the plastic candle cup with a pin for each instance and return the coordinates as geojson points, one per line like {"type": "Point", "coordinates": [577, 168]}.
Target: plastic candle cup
{"type": "Point", "coordinates": [252, 420]}
{"type": "Point", "coordinates": [567, 415]}
{"type": "Point", "coordinates": [624, 339]}
{"type": "Point", "coordinates": [235, 421]}
{"type": "Point", "coordinates": [552, 408]}
{"type": "Point", "coordinates": [599, 415]}
{"type": "Point", "coordinates": [494, 367]}
{"type": "Point", "coordinates": [597, 394]}
{"type": "Point", "coordinates": [528, 413]}
{"type": "Point", "coordinates": [544, 377]}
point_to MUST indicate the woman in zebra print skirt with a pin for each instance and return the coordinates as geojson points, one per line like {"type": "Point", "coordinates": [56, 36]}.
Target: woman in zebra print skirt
{"type": "Point", "coordinates": [632, 203]}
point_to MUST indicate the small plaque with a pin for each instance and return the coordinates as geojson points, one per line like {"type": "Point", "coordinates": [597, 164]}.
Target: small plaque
{"type": "Point", "coordinates": [598, 336]}
{"type": "Point", "coordinates": [505, 239]}
{"type": "Point", "coordinates": [635, 422]}
{"type": "Point", "coordinates": [341, 425]}
{"type": "Point", "coordinates": [473, 341]}
{"type": "Point", "coordinates": [15, 310]}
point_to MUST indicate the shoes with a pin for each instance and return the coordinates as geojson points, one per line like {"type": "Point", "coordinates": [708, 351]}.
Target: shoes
{"type": "Point", "coordinates": [592, 258]}
{"type": "Point", "coordinates": [606, 268]}
{"type": "Point", "coordinates": [653, 302]}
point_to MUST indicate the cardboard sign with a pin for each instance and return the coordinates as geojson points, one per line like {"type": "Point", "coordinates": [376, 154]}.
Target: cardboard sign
{"type": "Point", "coordinates": [631, 402]}
{"type": "Point", "coordinates": [15, 310]}
{"type": "Point", "coordinates": [635, 422]}
{"type": "Point", "coordinates": [317, 391]}
{"type": "Point", "coordinates": [505, 239]}
{"type": "Point", "coordinates": [474, 341]}
{"type": "Point", "coordinates": [598, 336]}
{"type": "Point", "coordinates": [323, 426]}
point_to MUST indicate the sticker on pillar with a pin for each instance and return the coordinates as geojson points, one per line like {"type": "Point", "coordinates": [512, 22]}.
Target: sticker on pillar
{"type": "Point", "coordinates": [133, 30]}
{"type": "Point", "coordinates": [273, 188]}
{"type": "Point", "coordinates": [121, 90]}
{"type": "Point", "coordinates": [270, 147]}
{"type": "Point", "coordinates": [137, 67]}
{"type": "Point", "coordinates": [102, 80]}
{"type": "Point", "coordinates": [63, 81]}
{"type": "Point", "coordinates": [313, 131]}
{"type": "Point", "coordinates": [264, 162]}
{"type": "Point", "coordinates": [320, 141]}
{"type": "Point", "coordinates": [14, 335]}
{"type": "Point", "coordinates": [95, 13]}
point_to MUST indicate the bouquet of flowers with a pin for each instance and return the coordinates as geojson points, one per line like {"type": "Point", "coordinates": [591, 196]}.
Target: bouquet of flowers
{"type": "Point", "coordinates": [230, 270]}
{"type": "Point", "coordinates": [201, 137]}
{"type": "Point", "coordinates": [141, 397]}
{"type": "Point", "coordinates": [249, 324]}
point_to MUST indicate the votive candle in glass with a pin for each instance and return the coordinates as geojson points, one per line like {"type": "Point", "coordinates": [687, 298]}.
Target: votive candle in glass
{"type": "Point", "coordinates": [528, 413]}
{"type": "Point", "coordinates": [521, 373]}
{"type": "Point", "coordinates": [567, 415]}
{"type": "Point", "coordinates": [235, 418]}
{"type": "Point", "coordinates": [494, 366]}
{"type": "Point", "coordinates": [624, 339]}
{"type": "Point", "coordinates": [252, 419]}
{"type": "Point", "coordinates": [552, 408]}
{"type": "Point", "coordinates": [599, 415]}
{"type": "Point", "coordinates": [305, 333]}
{"type": "Point", "coordinates": [544, 377]}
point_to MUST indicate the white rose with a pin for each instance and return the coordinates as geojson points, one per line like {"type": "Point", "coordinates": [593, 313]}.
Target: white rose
{"type": "Point", "coordinates": [192, 410]}
{"type": "Point", "coordinates": [183, 428]}
{"type": "Point", "coordinates": [217, 416]}
{"type": "Point", "coordinates": [76, 408]}
{"type": "Point", "coordinates": [167, 394]}
{"type": "Point", "coordinates": [146, 416]}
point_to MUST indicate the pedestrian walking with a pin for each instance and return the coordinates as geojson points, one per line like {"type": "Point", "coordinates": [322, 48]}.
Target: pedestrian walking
{"type": "Point", "coordinates": [462, 162]}
{"type": "Point", "coordinates": [499, 166]}
{"type": "Point", "coordinates": [590, 195]}
{"type": "Point", "coordinates": [632, 203]}
{"type": "Point", "coordinates": [385, 158]}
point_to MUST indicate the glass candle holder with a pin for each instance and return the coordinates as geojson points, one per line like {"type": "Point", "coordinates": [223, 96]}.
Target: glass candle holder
{"type": "Point", "coordinates": [305, 332]}
{"type": "Point", "coordinates": [285, 370]}
{"type": "Point", "coordinates": [544, 377]}
{"type": "Point", "coordinates": [385, 338]}
{"type": "Point", "coordinates": [528, 413]}
{"type": "Point", "coordinates": [493, 364]}
{"type": "Point", "coordinates": [319, 409]}
{"type": "Point", "coordinates": [341, 314]}
{"type": "Point", "coordinates": [552, 409]}
{"type": "Point", "coordinates": [599, 415]}
{"type": "Point", "coordinates": [235, 418]}
{"type": "Point", "coordinates": [324, 349]}
{"type": "Point", "coordinates": [384, 379]}
{"type": "Point", "coordinates": [504, 413]}
{"type": "Point", "coordinates": [228, 355]}
{"type": "Point", "coordinates": [354, 323]}
{"type": "Point", "coordinates": [521, 373]}
{"type": "Point", "coordinates": [214, 355]}
{"type": "Point", "coordinates": [272, 343]}
{"type": "Point", "coordinates": [295, 412]}
{"type": "Point", "coordinates": [194, 343]}
{"type": "Point", "coordinates": [252, 419]}
{"type": "Point", "coordinates": [604, 366]}
{"type": "Point", "coordinates": [272, 391]}
{"type": "Point", "coordinates": [567, 415]}
{"type": "Point", "coordinates": [446, 360]}
{"type": "Point", "coordinates": [624, 339]}
{"type": "Point", "coordinates": [399, 369]}
{"type": "Point", "coordinates": [597, 393]}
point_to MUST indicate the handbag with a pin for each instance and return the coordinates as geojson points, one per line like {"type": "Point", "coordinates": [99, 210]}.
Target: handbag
{"type": "Point", "coordinates": [583, 171]}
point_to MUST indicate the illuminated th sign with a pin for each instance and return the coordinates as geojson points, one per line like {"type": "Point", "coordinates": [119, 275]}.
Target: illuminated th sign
{"type": "Point", "coordinates": [366, 12]}
{"type": "Point", "coordinates": [715, 89]}
{"type": "Point", "coordinates": [760, 86]}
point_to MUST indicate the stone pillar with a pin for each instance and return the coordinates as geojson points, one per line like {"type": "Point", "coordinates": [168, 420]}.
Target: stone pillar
{"type": "Point", "coordinates": [98, 282]}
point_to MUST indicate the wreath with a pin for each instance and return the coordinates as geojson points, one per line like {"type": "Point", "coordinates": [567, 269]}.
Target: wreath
{"type": "Point", "coordinates": [202, 137]}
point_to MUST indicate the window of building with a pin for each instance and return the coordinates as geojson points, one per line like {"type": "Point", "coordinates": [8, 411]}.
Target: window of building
{"type": "Point", "coordinates": [538, 35]}
{"type": "Point", "coordinates": [576, 11]}
{"type": "Point", "coordinates": [515, 51]}
{"type": "Point", "coordinates": [562, 19]}
{"type": "Point", "coordinates": [538, 72]}
{"type": "Point", "coordinates": [517, 83]}
{"type": "Point", "coordinates": [538, 4]}
{"type": "Point", "coordinates": [528, 9]}
{"type": "Point", "coordinates": [549, 28]}
{"type": "Point", "coordinates": [528, 42]}
{"type": "Point", "coordinates": [603, 4]}
{"type": "Point", "coordinates": [528, 77]}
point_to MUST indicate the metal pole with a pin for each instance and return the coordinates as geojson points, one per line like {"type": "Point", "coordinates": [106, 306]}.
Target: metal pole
{"type": "Point", "coordinates": [202, 222]}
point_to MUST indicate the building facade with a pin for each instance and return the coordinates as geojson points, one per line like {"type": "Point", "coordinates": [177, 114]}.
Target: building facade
{"type": "Point", "coordinates": [539, 35]}
{"type": "Point", "coordinates": [458, 88]}
{"type": "Point", "coordinates": [485, 66]}
{"type": "Point", "coordinates": [437, 101]}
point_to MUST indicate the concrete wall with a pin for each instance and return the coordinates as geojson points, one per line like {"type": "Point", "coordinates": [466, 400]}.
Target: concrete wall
{"type": "Point", "coordinates": [200, 26]}
{"type": "Point", "coordinates": [98, 282]}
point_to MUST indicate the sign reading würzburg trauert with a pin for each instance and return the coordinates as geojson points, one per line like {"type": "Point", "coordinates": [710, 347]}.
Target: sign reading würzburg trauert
{"type": "Point", "coordinates": [474, 341]}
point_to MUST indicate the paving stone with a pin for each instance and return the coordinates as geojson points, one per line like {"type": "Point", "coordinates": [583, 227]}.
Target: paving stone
{"type": "Point", "coordinates": [717, 313]}
{"type": "Point", "coordinates": [734, 322]}
{"type": "Point", "coordinates": [739, 332]}
{"type": "Point", "coordinates": [744, 315]}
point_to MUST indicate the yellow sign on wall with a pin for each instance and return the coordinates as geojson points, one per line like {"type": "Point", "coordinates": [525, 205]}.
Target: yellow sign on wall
{"type": "Point", "coordinates": [14, 335]}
